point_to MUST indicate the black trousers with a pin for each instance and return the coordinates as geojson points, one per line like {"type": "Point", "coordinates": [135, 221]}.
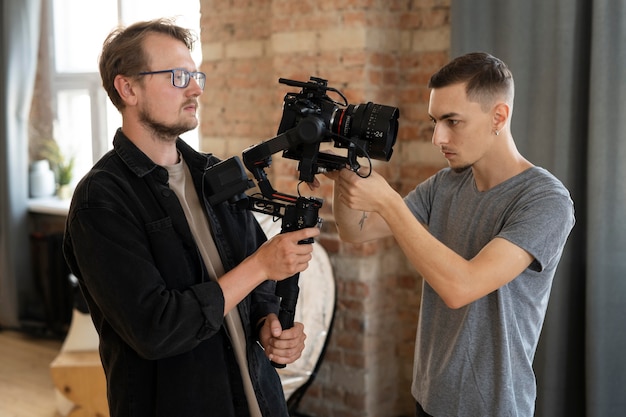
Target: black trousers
{"type": "Point", "coordinates": [419, 411]}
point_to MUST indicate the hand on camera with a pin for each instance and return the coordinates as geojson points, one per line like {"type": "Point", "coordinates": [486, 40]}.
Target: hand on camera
{"type": "Point", "coordinates": [282, 256]}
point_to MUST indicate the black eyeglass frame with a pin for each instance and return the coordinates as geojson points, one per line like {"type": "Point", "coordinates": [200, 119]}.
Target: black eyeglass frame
{"type": "Point", "coordinates": [199, 76]}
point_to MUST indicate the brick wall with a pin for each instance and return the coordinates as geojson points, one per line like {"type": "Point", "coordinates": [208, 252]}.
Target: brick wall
{"type": "Point", "coordinates": [382, 51]}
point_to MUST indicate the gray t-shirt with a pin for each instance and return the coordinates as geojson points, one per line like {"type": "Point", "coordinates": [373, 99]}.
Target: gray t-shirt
{"type": "Point", "coordinates": [477, 360]}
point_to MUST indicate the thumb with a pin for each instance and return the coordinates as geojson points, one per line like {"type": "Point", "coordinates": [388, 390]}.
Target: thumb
{"type": "Point", "coordinates": [275, 327]}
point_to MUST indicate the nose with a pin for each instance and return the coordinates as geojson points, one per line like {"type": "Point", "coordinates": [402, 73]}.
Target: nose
{"type": "Point", "coordinates": [439, 137]}
{"type": "Point", "coordinates": [194, 87]}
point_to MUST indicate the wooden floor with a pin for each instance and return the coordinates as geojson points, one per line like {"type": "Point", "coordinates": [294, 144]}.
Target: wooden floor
{"type": "Point", "coordinates": [26, 388]}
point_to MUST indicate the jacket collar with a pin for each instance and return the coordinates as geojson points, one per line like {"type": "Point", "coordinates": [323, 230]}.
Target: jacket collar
{"type": "Point", "coordinates": [139, 163]}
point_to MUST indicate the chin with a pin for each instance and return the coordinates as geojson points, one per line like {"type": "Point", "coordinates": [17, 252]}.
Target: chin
{"type": "Point", "coordinates": [460, 168]}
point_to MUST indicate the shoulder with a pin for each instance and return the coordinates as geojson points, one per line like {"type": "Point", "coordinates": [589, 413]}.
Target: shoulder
{"type": "Point", "coordinates": [536, 191]}
{"type": "Point", "coordinates": [542, 179]}
{"type": "Point", "coordinates": [106, 186]}
{"type": "Point", "coordinates": [540, 215]}
{"type": "Point", "coordinates": [543, 189]}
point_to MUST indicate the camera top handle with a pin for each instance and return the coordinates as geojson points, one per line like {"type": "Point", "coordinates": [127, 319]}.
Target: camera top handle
{"type": "Point", "coordinates": [316, 88]}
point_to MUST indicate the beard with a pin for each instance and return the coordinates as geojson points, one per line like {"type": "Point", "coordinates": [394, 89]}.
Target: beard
{"type": "Point", "coordinates": [165, 132]}
{"type": "Point", "coordinates": [460, 169]}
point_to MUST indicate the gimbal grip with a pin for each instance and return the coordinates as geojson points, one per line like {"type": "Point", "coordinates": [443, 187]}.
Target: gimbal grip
{"type": "Point", "coordinates": [288, 289]}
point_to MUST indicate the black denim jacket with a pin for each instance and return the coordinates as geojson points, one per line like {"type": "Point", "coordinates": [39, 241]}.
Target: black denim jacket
{"type": "Point", "coordinates": [159, 316]}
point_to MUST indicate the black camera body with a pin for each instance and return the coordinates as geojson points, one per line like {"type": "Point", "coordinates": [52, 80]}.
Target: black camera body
{"type": "Point", "coordinates": [366, 130]}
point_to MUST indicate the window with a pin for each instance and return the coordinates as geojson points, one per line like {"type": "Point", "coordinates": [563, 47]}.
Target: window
{"type": "Point", "coordinates": [85, 119]}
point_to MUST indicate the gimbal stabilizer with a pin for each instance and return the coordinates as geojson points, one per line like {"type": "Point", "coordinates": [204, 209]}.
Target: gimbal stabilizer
{"type": "Point", "coordinates": [296, 212]}
{"type": "Point", "coordinates": [309, 117]}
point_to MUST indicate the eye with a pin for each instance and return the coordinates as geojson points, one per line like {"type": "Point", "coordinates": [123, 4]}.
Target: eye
{"type": "Point", "coordinates": [180, 78]}
{"type": "Point", "coordinates": [452, 122]}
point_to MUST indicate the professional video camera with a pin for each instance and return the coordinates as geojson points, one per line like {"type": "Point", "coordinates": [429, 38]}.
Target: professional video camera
{"type": "Point", "coordinates": [366, 130]}
{"type": "Point", "coordinates": [309, 118]}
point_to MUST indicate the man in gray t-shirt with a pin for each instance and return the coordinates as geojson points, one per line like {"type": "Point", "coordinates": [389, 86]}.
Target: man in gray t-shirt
{"type": "Point", "coordinates": [486, 234]}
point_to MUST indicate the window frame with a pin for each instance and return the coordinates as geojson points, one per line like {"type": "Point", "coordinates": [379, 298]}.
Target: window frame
{"type": "Point", "coordinates": [101, 109]}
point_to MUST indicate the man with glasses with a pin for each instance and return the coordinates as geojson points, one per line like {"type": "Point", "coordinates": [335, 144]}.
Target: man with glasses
{"type": "Point", "coordinates": [180, 292]}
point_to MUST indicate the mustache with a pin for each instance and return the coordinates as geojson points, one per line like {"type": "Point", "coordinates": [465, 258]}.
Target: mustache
{"type": "Point", "coordinates": [191, 102]}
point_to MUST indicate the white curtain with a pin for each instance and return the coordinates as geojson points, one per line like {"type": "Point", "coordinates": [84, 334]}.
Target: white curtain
{"type": "Point", "coordinates": [569, 63]}
{"type": "Point", "coordinates": [18, 59]}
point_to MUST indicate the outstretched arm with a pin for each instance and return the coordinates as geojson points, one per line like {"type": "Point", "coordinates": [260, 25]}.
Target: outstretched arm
{"type": "Point", "coordinates": [457, 281]}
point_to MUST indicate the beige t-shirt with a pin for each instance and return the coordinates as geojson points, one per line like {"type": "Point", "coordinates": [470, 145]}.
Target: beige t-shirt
{"type": "Point", "coordinates": [181, 183]}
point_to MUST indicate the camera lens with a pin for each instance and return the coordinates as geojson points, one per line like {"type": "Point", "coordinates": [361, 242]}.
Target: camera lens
{"type": "Point", "coordinates": [374, 124]}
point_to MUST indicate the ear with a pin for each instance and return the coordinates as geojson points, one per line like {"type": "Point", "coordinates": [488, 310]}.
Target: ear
{"type": "Point", "coordinates": [124, 87]}
{"type": "Point", "coordinates": [501, 114]}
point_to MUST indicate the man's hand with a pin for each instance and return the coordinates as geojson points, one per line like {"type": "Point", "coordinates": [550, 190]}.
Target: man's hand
{"type": "Point", "coordinates": [282, 256]}
{"type": "Point", "coordinates": [279, 258]}
{"type": "Point", "coordinates": [367, 191]}
{"type": "Point", "coordinates": [332, 175]}
{"type": "Point", "coordinates": [281, 346]}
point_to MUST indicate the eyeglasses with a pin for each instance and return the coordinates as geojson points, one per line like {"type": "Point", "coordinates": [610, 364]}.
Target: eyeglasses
{"type": "Point", "coordinates": [181, 77]}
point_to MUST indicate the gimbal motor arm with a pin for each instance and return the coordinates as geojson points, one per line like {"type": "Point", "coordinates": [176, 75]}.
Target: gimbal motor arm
{"type": "Point", "coordinates": [309, 131]}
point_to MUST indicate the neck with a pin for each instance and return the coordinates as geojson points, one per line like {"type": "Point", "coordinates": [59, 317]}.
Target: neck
{"type": "Point", "coordinates": [503, 163]}
{"type": "Point", "coordinates": [160, 150]}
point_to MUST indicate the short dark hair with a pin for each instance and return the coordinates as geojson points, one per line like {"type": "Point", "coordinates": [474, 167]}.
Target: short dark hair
{"type": "Point", "coordinates": [486, 77]}
{"type": "Point", "coordinates": [123, 53]}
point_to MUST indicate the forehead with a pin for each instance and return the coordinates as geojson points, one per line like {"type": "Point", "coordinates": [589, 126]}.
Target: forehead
{"type": "Point", "coordinates": [448, 100]}
{"type": "Point", "coordinates": [166, 52]}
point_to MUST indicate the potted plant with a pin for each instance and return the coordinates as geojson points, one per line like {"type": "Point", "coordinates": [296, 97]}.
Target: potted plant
{"type": "Point", "coordinates": [62, 166]}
